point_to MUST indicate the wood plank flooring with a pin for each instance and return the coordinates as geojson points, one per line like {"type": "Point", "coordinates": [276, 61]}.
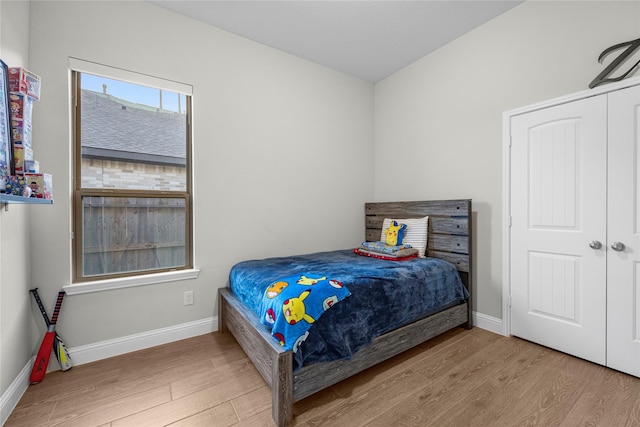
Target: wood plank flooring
{"type": "Point", "coordinates": [461, 378]}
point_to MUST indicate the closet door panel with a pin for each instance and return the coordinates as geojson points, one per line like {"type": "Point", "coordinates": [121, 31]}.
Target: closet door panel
{"type": "Point", "coordinates": [558, 206]}
{"type": "Point", "coordinates": [623, 272]}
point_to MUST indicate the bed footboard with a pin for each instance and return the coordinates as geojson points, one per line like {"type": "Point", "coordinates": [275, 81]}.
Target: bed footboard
{"type": "Point", "coordinates": [274, 364]}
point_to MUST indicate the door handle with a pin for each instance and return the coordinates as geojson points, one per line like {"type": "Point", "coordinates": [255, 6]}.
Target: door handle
{"type": "Point", "coordinates": [617, 246]}
{"type": "Point", "coordinates": [594, 244]}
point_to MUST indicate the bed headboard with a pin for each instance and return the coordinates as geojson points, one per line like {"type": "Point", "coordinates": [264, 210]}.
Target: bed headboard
{"type": "Point", "coordinates": [449, 235]}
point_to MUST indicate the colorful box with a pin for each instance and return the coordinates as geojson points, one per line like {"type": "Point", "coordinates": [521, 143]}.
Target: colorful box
{"type": "Point", "coordinates": [31, 166]}
{"type": "Point", "coordinates": [15, 185]}
{"type": "Point", "coordinates": [21, 133]}
{"type": "Point", "coordinates": [21, 106]}
{"type": "Point", "coordinates": [25, 82]}
{"type": "Point", "coordinates": [20, 154]}
{"type": "Point", "coordinates": [41, 184]}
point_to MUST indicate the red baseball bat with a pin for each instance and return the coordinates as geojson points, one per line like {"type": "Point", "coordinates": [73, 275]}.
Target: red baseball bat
{"type": "Point", "coordinates": [59, 348]}
{"type": "Point", "coordinates": [44, 353]}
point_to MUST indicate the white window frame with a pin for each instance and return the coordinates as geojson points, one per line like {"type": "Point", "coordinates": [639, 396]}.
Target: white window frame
{"type": "Point", "coordinates": [87, 286]}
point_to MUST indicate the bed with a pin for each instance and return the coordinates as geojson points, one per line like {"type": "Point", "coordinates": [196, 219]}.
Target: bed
{"type": "Point", "coordinates": [449, 239]}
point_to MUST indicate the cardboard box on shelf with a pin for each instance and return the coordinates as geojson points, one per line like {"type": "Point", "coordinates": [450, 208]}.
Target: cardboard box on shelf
{"type": "Point", "coordinates": [21, 106]}
{"type": "Point", "coordinates": [31, 166]}
{"type": "Point", "coordinates": [25, 82]}
{"type": "Point", "coordinates": [41, 184]}
{"type": "Point", "coordinates": [21, 133]}
{"type": "Point", "coordinates": [20, 154]}
{"type": "Point", "coordinates": [15, 185]}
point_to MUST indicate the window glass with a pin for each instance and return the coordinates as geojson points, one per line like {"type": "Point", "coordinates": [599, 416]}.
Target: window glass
{"type": "Point", "coordinates": [132, 136]}
{"type": "Point", "coordinates": [132, 186]}
{"type": "Point", "coordinates": [132, 234]}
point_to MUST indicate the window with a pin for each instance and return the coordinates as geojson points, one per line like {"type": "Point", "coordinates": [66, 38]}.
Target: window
{"type": "Point", "coordinates": [132, 184]}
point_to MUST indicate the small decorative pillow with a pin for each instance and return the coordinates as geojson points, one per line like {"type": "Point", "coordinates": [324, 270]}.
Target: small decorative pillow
{"type": "Point", "coordinates": [415, 234]}
{"type": "Point", "coordinates": [394, 233]}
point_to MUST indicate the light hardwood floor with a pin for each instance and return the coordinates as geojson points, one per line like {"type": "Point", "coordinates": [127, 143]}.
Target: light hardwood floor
{"type": "Point", "coordinates": [461, 378]}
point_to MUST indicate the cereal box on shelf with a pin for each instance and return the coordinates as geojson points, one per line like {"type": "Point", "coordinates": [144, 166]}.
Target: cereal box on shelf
{"type": "Point", "coordinates": [41, 184]}
{"type": "Point", "coordinates": [20, 154]}
{"type": "Point", "coordinates": [21, 132]}
{"type": "Point", "coordinates": [21, 106]}
{"type": "Point", "coordinates": [25, 82]}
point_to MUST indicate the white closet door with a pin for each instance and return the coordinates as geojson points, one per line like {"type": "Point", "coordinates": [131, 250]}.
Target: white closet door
{"type": "Point", "coordinates": [558, 206]}
{"type": "Point", "coordinates": [623, 274]}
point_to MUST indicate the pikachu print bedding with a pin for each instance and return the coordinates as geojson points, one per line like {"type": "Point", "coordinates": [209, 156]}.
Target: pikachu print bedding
{"type": "Point", "coordinates": [372, 297]}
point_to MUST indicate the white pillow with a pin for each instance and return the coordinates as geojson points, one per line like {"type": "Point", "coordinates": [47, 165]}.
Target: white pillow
{"type": "Point", "coordinates": [415, 234]}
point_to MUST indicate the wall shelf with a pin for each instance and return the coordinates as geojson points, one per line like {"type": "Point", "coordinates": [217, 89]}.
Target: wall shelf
{"type": "Point", "coordinates": [7, 199]}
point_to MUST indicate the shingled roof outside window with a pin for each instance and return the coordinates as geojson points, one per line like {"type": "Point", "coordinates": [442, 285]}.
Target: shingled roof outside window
{"type": "Point", "coordinates": [116, 129]}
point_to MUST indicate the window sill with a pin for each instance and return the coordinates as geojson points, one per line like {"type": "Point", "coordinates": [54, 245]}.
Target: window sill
{"type": "Point", "coordinates": [129, 282]}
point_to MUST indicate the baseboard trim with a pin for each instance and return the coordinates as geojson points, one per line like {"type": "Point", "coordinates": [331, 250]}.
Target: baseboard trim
{"type": "Point", "coordinates": [489, 323]}
{"type": "Point", "coordinates": [115, 347]}
{"type": "Point", "coordinates": [12, 396]}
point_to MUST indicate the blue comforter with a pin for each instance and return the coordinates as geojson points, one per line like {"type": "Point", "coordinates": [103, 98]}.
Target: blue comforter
{"type": "Point", "coordinates": [384, 296]}
{"type": "Point", "coordinates": [292, 304]}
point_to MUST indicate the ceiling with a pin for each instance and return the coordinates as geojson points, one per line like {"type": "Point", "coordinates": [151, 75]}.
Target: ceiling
{"type": "Point", "coordinates": [367, 39]}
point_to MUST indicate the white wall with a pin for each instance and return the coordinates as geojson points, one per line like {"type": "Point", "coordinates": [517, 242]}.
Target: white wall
{"type": "Point", "coordinates": [18, 332]}
{"type": "Point", "coordinates": [282, 149]}
{"type": "Point", "coordinates": [443, 114]}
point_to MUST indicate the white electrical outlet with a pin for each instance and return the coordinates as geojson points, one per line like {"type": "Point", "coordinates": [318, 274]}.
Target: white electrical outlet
{"type": "Point", "coordinates": [188, 298]}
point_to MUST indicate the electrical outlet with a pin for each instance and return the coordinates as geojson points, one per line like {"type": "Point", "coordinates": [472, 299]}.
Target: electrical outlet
{"type": "Point", "coordinates": [188, 298]}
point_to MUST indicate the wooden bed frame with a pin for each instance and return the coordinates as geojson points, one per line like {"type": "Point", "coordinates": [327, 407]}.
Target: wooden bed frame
{"type": "Point", "coordinates": [449, 238]}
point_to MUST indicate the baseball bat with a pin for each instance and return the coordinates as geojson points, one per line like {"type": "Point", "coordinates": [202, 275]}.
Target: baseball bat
{"type": "Point", "coordinates": [59, 348]}
{"type": "Point", "coordinates": [44, 353]}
